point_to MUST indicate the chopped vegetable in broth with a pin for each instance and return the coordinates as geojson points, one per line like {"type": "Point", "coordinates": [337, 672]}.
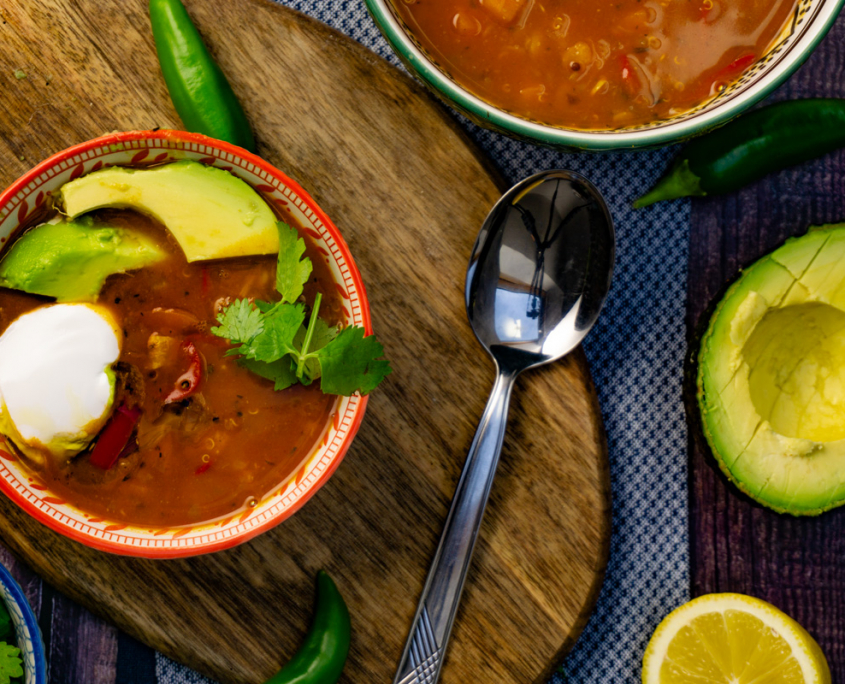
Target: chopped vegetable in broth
{"type": "Point", "coordinates": [596, 64]}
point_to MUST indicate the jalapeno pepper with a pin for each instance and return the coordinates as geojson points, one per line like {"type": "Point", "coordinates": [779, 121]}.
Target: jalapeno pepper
{"type": "Point", "coordinates": [199, 89]}
{"type": "Point", "coordinates": [321, 657]}
{"type": "Point", "coordinates": [766, 140]}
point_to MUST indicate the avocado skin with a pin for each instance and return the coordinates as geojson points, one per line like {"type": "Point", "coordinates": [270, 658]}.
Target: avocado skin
{"type": "Point", "coordinates": [71, 260]}
{"type": "Point", "coordinates": [710, 401]}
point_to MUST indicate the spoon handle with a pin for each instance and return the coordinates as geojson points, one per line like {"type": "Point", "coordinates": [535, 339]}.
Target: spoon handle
{"type": "Point", "coordinates": [423, 655]}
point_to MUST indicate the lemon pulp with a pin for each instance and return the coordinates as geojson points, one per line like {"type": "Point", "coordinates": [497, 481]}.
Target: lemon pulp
{"type": "Point", "coordinates": [732, 639]}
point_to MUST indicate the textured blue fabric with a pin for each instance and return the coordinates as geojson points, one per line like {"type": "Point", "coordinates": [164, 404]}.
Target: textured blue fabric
{"type": "Point", "coordinates": [636, 358]}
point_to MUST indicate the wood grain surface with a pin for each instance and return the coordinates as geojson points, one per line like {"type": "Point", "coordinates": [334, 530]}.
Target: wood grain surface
{"type": "Point", "coordinates": [737, 545]}
{"type": "Point", "coordinates": [408, 191]}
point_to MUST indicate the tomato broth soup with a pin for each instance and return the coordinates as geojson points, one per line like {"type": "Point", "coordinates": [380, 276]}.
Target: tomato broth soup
{"type": "Point", "coordinates": [596, 64]}
{"type": "Point", "coordinates": [230, 443]}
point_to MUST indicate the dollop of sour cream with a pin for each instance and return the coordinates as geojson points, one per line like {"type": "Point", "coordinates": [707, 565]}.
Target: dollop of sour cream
{"type": "Point", "coordinates": [56, 381]}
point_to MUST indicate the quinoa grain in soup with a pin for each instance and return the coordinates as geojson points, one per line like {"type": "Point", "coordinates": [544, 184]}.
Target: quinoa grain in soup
{"type": "Point", "coordinates": [595, 64]}
{"type": "Point", "coordinates": [160, 363]}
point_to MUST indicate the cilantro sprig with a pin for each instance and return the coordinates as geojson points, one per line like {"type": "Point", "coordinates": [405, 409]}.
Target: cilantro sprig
{"type": "Point", "coordinates": [273, 339]}
{"type": "Point", "coordinates": [11, 666]}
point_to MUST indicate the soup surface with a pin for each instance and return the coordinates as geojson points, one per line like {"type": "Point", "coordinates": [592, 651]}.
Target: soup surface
{"type": "Point", "coordinates": [228, 445]}
{"type": "Point", "coordinates": [595, 64]}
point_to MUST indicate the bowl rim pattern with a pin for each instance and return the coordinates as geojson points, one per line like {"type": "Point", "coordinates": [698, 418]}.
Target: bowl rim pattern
{"type": "Point", "coordinates": [30, 640]}
{"type": "Point", "coordinates": [134, 148]}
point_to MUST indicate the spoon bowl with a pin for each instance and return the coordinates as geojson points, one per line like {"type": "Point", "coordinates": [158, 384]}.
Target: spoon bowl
{"type": "Point", "coordinates": [541, 268]}
{"type": "Point", "coordinates": [537, 279]}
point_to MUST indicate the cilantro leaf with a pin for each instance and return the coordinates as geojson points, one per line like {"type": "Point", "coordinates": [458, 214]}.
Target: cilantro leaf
{"type": "Point", "coordinates": [291, 273]}
{"type": "Point", "coordinates": [239, 322]}
{"type": "Point", "coordinates": [280, 372]}
{"type": "Point", "coordinates": [281, 323]}
{"type": "Point", "coordinates": [10, 664]}
{"type": "Point", "coordinates": [323, 334]}
{"type": "Point", "coordinates": [272, 341]}
{"type": "Point", "coordinates": [351, 362]}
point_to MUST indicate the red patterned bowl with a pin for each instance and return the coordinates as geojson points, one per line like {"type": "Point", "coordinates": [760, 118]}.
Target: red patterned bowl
{"type": "Point", "coordinates": [143, 147]}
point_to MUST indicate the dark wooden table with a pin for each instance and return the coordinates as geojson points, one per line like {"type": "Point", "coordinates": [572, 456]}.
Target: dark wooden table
{"type": "Point", "coordinates": [737, 545]}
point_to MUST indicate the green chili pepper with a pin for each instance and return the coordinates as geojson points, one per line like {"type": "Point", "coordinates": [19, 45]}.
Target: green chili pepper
{"type": "Point", "coordinates": [199, 90]}
{"type": "Point", "coordinates": [752, 146]}
{"type": "Point", "coordinates": [322, 655]}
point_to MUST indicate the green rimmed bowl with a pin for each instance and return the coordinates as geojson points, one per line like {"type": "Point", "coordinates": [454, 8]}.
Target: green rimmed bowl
{"type": "Point", "coordinates": [811, 21]}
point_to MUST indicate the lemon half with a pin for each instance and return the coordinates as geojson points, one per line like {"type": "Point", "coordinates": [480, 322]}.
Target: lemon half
{"type": "Point", "coordinates": [732, 639]}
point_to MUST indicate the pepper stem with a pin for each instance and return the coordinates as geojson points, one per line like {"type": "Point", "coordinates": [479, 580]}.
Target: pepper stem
{"type": "Point", "coordinates": [679, 182]}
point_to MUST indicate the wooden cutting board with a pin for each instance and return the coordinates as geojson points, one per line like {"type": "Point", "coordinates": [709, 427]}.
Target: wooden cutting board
{"type": "Point", "coordinates": [409, 191]}
{"type": "Point", "coordinates": [736, 544]}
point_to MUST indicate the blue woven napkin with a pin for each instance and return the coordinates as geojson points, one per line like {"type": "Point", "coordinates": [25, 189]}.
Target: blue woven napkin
{"type": "Point", "coordinates": [636, 358]}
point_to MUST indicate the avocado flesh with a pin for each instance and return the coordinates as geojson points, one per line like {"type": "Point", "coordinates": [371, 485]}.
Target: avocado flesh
{"type": "Point", "coordinates": [771, 376]}
{"type": "Point", "coordinates": [71, 260]}
{"type": "Point", "coordinates": [211, 213]}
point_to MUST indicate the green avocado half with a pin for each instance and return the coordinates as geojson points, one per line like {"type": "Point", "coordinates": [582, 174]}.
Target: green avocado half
{"type": "Point", "coordinates": [211, 213]}
{"type": "Point", "coordinates": [70, 260]}
{"type": "Point", "coordinates": [771, 376]}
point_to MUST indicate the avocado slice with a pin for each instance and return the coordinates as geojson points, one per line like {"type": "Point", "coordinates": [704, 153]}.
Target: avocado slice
{"type": "Point", "coordinates": [71, 260]}
{"type": "Point", "coordinates": [211, 213]}
{"type": "Point", "coordinates": [771, 376]}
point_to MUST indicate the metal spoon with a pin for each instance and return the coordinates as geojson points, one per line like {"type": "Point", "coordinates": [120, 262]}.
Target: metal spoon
{"type": "Point", "coordinates": [537, 279]}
